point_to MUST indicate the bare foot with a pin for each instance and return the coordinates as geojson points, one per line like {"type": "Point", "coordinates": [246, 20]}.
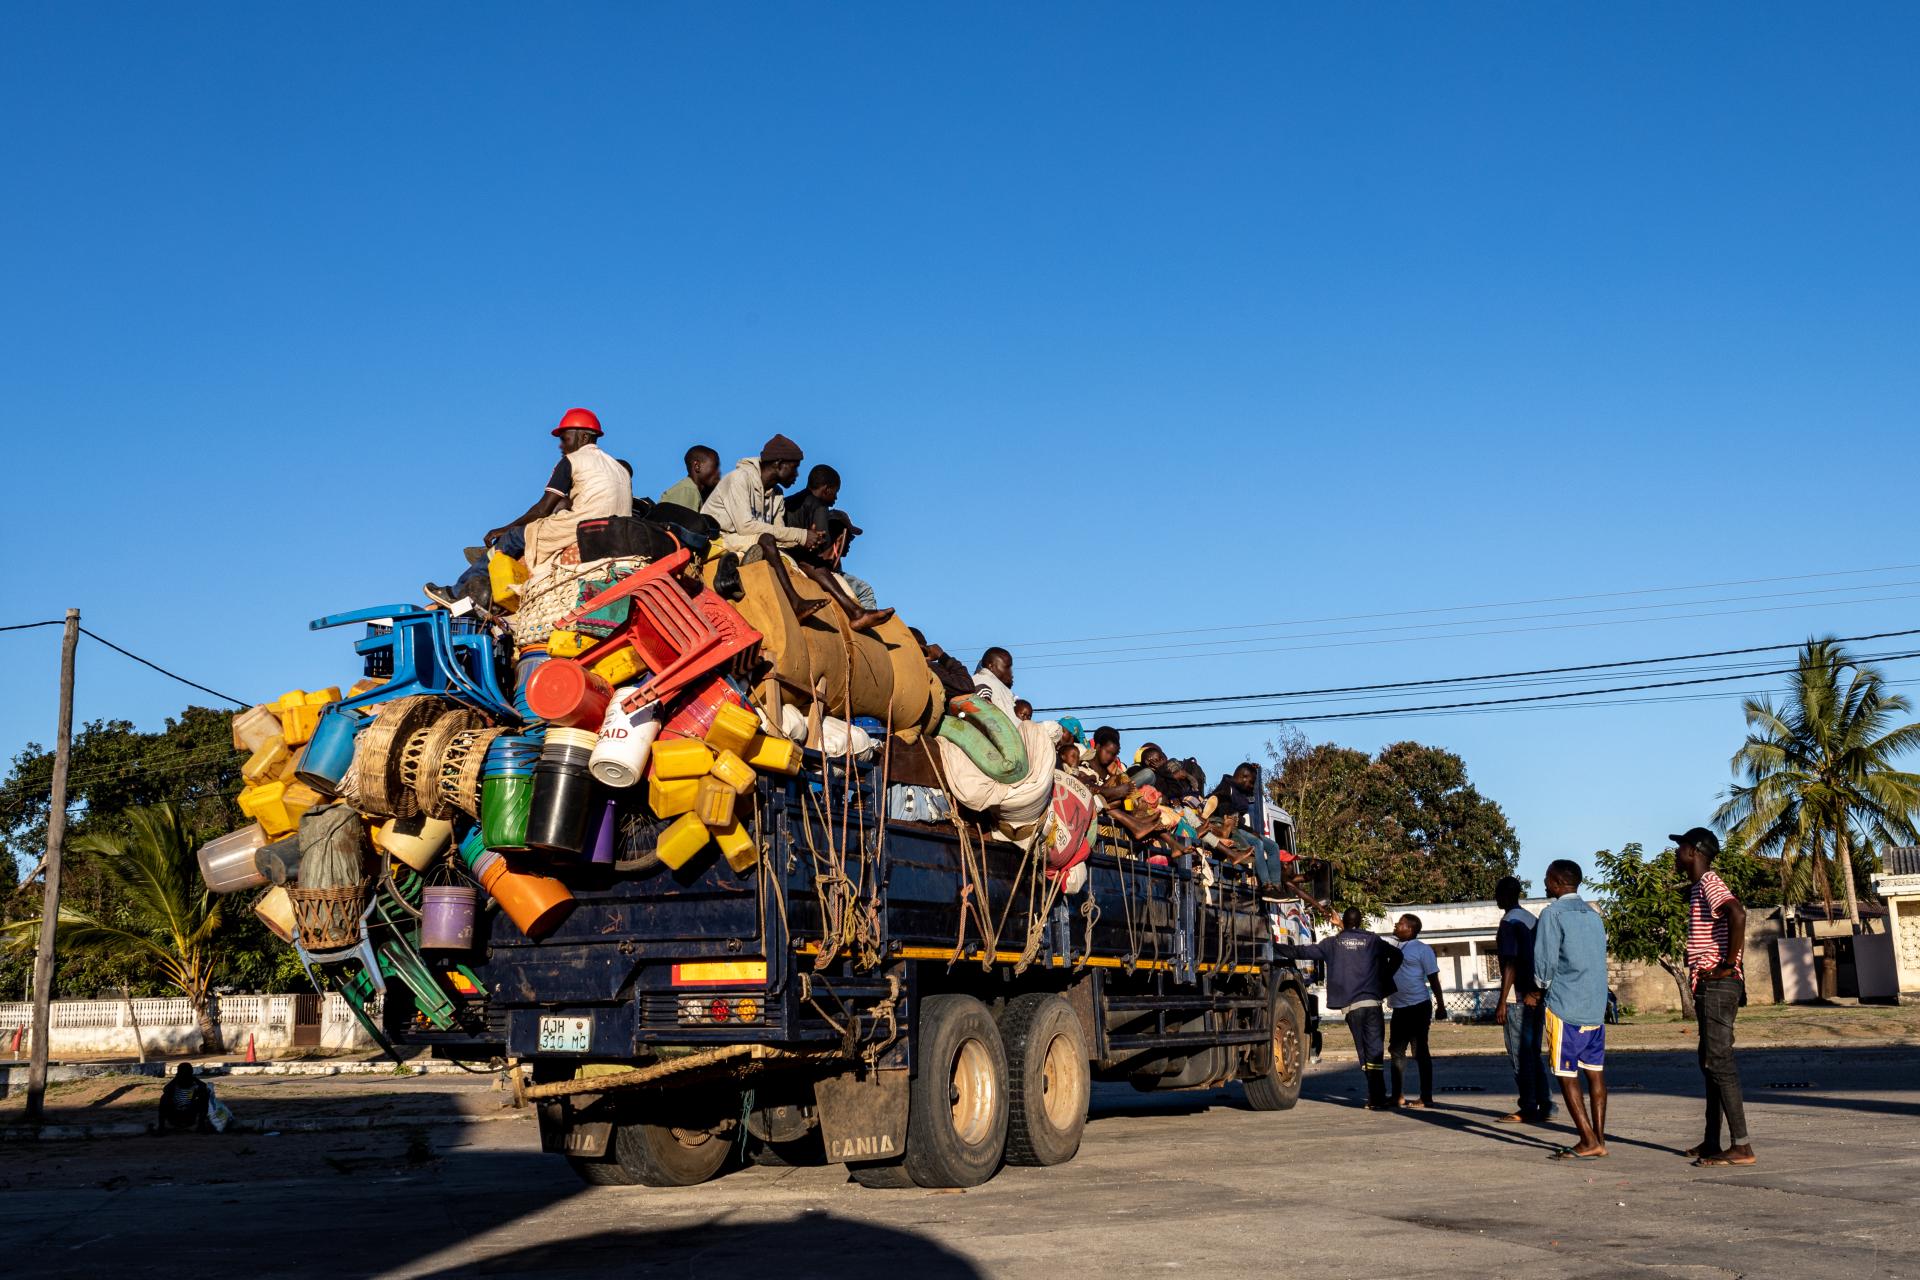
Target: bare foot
{"type": "Point", "coordinates": [804, 609]}
{"type": "Point", "coordinates": [870, 619]}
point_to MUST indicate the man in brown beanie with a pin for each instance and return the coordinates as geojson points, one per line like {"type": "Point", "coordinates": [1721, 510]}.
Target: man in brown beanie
{"type": "Point", "coordinates": [751, 512]}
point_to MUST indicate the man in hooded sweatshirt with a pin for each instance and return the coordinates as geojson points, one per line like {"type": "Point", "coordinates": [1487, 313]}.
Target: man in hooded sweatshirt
{"type": "Point", "coordinates": [1360, 969]}
{"type": "Point", "coordinates": [752, 514]}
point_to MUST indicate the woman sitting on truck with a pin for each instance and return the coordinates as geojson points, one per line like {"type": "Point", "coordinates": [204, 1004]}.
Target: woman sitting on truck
{"type": "Point", "coordinates": [1233, 805]}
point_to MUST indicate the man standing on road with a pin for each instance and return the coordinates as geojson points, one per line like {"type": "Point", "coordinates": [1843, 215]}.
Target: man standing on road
{"type": "Point", "coordinates": [1716, 939]}
{"type": "Point", "coordinates": [1570, 961]}
{"type": "Point", "coordinates": [1360, 969]}
{"type": "Point", "coordinates": [1523, 1023]}
{"type": "Point", "coordinates": [1411, 1014]}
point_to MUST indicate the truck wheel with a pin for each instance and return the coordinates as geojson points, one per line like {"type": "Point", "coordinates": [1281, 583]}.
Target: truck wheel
{"type": "Point", "coordinates": [957, 1101]}
{"type": "Point", "coordinates": [1277, 1087]}
{"type": "Point", "coordinates": [658, 1155]}
{"type": "Point", "coordinates": [601, 1172]}
{"type": "Point", "coordinates": [1049, 1081]}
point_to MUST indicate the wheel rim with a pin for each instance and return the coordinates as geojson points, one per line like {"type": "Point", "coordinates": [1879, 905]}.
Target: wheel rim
{"type": "Point", "coordinates": [1286, 1043]}
{"type": "Point", "coordinates": [692, 1139]}
{"type": "Point", "coordinates": [971, 1092]}
{"type": "Point", "coordinates": [1060, 1091]}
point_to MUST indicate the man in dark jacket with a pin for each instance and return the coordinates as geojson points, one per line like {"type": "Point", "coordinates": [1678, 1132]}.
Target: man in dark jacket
{"type": "Point", "coordinates": [1360, 968]}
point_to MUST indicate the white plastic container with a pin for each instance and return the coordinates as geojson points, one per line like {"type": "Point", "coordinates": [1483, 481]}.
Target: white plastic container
{"type": "Point", "coordinates": [227, 862]}
{"type": "Point", "coordinates": [626, 741]}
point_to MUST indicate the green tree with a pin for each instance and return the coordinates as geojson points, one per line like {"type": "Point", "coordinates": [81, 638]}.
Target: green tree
{"type": "Point", "coordinates": [169, 918]}
{"type": "Point", "coordinates": [1403, 826]}
{"type": "Point", "coordinates": [1816, 773]}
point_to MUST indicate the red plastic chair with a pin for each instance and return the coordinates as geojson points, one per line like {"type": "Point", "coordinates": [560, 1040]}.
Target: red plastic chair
{"type": "Point", "coordinates": [678, 638]}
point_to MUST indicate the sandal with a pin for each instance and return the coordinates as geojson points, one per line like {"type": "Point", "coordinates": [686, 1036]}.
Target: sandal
{"type": "Point", "coordinates": [1568, 1153]}
{"type": "Point", "coordinates": [1720, 1160]}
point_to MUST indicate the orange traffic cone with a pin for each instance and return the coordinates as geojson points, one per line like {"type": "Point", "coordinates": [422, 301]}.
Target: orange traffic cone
{"type": "Point", "coordinates": [250, 1057]}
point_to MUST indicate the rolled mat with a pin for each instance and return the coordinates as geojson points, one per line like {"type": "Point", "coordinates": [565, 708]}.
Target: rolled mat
{"type": "Point", "coordinates": [889, 681]}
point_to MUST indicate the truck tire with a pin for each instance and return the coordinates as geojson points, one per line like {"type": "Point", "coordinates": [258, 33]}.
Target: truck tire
{"type": "Point", "coordinates": [658, 1155]}
{"type": "Point", "coordinates": [1049, 1080]}
{"type": "Point", "coordinates": [956, 1102]}
{"type": "Point", "coordinates": [600, 1172]}
{"type": "Point", "coordinates": [1277, 1087]}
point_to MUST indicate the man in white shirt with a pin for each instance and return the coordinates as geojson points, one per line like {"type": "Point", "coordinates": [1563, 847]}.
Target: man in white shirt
{"type": "Point", "coordinates": [994, 680]}
{"type": "Point", "coordinates": [1412, 1014]}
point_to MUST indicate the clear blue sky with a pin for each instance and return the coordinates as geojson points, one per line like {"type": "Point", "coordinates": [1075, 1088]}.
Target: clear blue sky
{"type": "Point", "coordinates": [1116, 318]}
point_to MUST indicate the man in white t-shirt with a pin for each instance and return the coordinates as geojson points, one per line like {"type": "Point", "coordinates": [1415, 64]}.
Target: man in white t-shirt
{"type": "Point", "coordinates": [1413, 1010]}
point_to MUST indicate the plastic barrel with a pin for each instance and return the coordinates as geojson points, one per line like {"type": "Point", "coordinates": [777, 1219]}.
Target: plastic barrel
{"type": "Point", "coordinates": [560, 811]}
{"type": "Point", "coordinates": [329, 753]}
{"type": "Point", "coordinates": [536, 903]}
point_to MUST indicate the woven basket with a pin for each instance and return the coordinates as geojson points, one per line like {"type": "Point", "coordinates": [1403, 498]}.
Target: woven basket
{"type": "Point", "coordinates": [420, 760]}
{"type": "Point", "coordinates": [558, 593]}
{"type": "Point", "coordinates": [460, 768]}
{"type": "Point", "coordinates": [379, 783]}
{"type": "Point", "coordinates": [327, 919]}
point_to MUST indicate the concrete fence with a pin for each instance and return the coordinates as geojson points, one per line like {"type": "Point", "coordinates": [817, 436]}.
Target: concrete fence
{"type": "Point", "coordinates": [97, 1028]}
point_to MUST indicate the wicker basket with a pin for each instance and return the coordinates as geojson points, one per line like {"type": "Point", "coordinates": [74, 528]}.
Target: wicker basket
{"type": "Point", "coordinates": [328, 919]}
{"type": "Point", "coordinates": [421, 759]}
{"type": "Point", "coordinates": [460, 767]}
{"type": "Point", "coordinates": [379, 757]}
{"type": "Point", "coordinates": [548, 599]}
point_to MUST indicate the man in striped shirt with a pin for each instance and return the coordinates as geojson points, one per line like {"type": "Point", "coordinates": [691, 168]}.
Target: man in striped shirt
{"type": "Point", "coordinates": [1716, 937]}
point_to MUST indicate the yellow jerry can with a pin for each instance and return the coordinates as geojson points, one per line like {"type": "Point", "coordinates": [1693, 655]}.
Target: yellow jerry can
{"type": "Point", "coordinates": [679, 842]}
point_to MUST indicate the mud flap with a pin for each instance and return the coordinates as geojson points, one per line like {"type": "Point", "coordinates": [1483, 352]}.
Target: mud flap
{"type": "Point", "coordinates": [562, 1133]}
{"type": "Point", "coordinates": [863, 1117]}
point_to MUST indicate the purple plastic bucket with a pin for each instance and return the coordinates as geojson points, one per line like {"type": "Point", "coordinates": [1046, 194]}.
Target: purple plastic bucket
{"type": "Point", "coordinates": [446, 917]}
{"type": "Point", "coordinates": [600, 844]}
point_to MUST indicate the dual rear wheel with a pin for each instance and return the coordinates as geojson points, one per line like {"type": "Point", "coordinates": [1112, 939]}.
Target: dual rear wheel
{"type": "Point", "coordinates": [986, 1090]}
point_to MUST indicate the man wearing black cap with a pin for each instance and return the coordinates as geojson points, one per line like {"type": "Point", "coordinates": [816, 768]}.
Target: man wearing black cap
{"type": "Point", "coordinates": [1716, 939]}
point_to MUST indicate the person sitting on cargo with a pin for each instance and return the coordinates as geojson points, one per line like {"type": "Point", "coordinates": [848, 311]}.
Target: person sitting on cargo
{"type": "Point", "coordinates": [586, 483]}
{"type": "Point", "coordinates": [814, 511]}
{"type": "Point", "coordinates": [692, 490]}
{"type": "Point", "coordinates": [993, 679]}
{"type": "Point", "coordinates": [1235, 804]}
{"type": "Point", "coordinates": [752, 514]}
{"type": "Point", "coordinates": [1175, 778]}
{"type": "Point", "coordinates": [1022, 709]}
{"type": "Point", "coordinates": [184, 1103]}
{"type": "Point", "coordinates": [1101, 770]}
{"type": "Point", "coordinates": [955, 681]}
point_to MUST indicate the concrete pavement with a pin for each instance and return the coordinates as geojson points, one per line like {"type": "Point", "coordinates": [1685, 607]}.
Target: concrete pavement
{"type": "Point", "coordinates": [1163, 1184]}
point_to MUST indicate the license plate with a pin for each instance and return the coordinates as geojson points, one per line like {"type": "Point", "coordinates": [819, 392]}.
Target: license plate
{"type": "Point", "coordinates": [566, 1035]}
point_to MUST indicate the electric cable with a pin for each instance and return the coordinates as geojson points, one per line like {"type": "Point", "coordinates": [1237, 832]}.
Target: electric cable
{"type": "Point", "coordinates": [171, 675]}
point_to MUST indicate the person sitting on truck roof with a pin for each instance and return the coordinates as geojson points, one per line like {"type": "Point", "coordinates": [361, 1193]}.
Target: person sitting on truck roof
{"type": "Point", "coordinates": [1101, 771]}
{"type": "Point", "coordinates": [1235, 803]}
{"type": "Point", "coordinates": [1174, 778]}
{"type": "Point", "coordinates": [692, 490]}
{"type": "Point", "coordinates": [955, 680]}
{"type": "Point", "coordinates": [586, 483]}
{"type": "Point", "coordinates": [1360, 968]}
{"type": "Point", "coordinates": [814, 511]}
{"type": "Point", "coordinates": [993, 679]}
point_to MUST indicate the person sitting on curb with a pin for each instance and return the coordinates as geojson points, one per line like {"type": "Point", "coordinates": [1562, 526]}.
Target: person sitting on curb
{"type": "Point", "coordinates": [184, 1103]}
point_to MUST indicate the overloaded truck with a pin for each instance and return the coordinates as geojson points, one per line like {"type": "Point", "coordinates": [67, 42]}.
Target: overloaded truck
{"type": "Point", "coordinates": [906, 998]}
{"type": "Point", "coordinates": [725, 878]}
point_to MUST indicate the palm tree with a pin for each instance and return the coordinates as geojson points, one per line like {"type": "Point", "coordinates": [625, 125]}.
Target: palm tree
{"type": "Point", "coordinates": [170, 916]}
{"type": "Point", "coordinates": [1818, 770]}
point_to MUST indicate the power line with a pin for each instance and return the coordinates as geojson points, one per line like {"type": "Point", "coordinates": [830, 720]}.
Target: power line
{"type": "Point", "coordinates": [1502, 675]}
{"type": "Point", "coordinates": [1487, 702]}
{"type": "Point", "coordinates": [1471, 635]}
{"type": "Point", "coordinates": [1471, 608]}
{"type": "Point", "coordinates": [28, 626]}
{"type": "Point", "coordinates": [171, 675]}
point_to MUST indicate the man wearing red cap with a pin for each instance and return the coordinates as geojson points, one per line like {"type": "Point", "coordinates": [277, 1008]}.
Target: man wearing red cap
{"type": "Point", "coordinates": [586, 482]}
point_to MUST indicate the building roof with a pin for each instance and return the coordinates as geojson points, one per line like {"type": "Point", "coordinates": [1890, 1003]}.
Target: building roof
{"type": "Point", "coordinates": [1451, 920]}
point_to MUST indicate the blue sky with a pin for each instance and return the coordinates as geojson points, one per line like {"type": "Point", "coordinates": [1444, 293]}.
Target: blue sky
{"type": "Point", "coordinates": [1117, 319]}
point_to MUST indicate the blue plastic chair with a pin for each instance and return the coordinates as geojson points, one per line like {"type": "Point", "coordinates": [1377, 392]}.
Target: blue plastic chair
{"type": "Point", "coordinates": [426, 651]}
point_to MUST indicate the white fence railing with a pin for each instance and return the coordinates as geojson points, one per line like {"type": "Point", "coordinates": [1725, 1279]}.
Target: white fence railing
{"type": "Point", "coordinates": [108, 1026]}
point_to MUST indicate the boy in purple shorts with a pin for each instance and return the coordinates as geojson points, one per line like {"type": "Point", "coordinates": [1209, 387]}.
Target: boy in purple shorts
{"type": "Point", "coordinates": [1570, 962]}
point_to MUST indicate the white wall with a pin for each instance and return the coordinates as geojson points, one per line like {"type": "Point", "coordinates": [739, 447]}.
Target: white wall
{"type": "Point", "coordinates": [96, 1028]}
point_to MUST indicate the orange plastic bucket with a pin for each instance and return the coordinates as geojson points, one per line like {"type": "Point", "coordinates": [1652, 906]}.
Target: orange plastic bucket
{"type": "Point", "coordinates": [534, 902]}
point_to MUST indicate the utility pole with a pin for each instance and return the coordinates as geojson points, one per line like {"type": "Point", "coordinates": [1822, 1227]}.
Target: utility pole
{"type": "Point", "coordinates": [50, 910]}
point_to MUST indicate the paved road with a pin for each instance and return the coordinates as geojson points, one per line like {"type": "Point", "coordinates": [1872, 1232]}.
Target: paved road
{"type": "Point", "coordinates": [1172, 1184]}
